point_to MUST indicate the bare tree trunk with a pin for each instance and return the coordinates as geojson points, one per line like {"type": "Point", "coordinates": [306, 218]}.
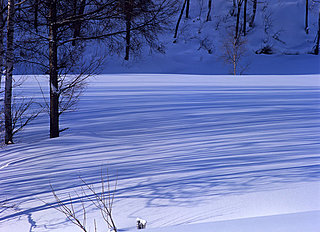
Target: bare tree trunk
{"type": "Point", "coordinates": [179, 19]}
{"type": "Point", "coordinates": [306, 28]}
{"type": "Point", "coordinates": [234, 6]}
{"type": "Point", "coordinates": [128, 9]}
{"type": "Point", "coordinates": [75, 11]}
{"type": "Point", "coordinates": [2, 25]}
{"type": "Point", "coordinates": [187, 9]}
{"type": "Point", "coordinates": [36, 12]}
{"type": "Point", "coordinates": [245, 17]}
{"type": "Point", "coordinates": [77, 24]}
{"type": "Point", "coordinates": [53, 66]}
{"type": "Point", "coordinates": [9, 70]}
{"type": "Point", "coordinates": [316, 50]}
{"type": "Point", "coordinates": [238, 18]}
{"type": "Point", "coordinates": [254, 10]}
{"type": "Point", "coordinates": [209, 10]}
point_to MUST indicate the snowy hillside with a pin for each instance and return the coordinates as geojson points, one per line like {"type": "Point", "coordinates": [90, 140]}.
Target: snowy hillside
{"type": "Point", "coordinates": [185, 150]}
{"type": "Point", "coordinates": [279, 25]}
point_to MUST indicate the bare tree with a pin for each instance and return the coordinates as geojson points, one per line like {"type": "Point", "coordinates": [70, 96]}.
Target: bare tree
{"type": "Point", "coordinates": [179, 19]}
{"type": "Point", "coordinates": [306, 26]}
{"type": "Point", "coordinates": [209, 10]}
{"type": "Point", "coordinates": [78, 9]}
{"type": "Point", "coordinates": [188, 9]}
{"type": "Point", "coordinates": [2, 33]}
{"type": "Point", "coordinates": [9, 70]}
{"type": "Point", "coordinates": [2, 130]}
{"type": "Point", "coordinates": [73, 24]}
{"type": "Point", "coordinates": [103, 201]}
{"type": "Point", "coordinates": [49, 28]}
{"type": "Point", "coordinates": [53, 68]}
{"type": "Point", "coordinates": [24, 111]}
{"type": "Point", "coordinates": [239, 5]}
{"type": "Point", "coordinates": [254, 10]}
{"type": "Point", "coordinates": [145, 20]}
{"type": "Point", "coordinates": [233, 9]}
{"type": "Point", "coordinates": [245, 17]}
{"type": "Point", "coordinates": [233, 49]}
{"type": "Point", "coordinates": [316, 48]}
{"type": "Point", "coordinates": [128, 8]}
{"type": "Point", "coordinates": [15, 118]}
{"type": "Point", "coordinates": [139, 12]}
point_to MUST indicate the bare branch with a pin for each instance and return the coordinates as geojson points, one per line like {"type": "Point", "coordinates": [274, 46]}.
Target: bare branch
{"type": "Point", "coordinates": [103, 201]}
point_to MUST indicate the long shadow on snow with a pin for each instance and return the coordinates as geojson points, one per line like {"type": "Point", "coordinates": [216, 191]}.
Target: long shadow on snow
{"type": "Point", "coordinates": [177, 146]}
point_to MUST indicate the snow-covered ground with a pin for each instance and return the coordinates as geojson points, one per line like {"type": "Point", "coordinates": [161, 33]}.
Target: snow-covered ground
{"type": "Point", "coordinates": [198, 49]}
{"type": "Point", "coordinates": [191, 153]}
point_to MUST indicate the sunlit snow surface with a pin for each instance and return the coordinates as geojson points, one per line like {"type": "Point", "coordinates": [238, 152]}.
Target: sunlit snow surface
{"type": "Point", "coordinates": [185, 149]}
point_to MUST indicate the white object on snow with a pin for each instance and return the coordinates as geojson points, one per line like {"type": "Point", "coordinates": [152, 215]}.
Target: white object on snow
{"type": "Point", "coordinates": [141, 224]}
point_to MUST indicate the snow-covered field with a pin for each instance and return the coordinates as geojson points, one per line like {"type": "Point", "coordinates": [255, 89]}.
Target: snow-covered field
{"type": "Point", "coordinates": [191, 153]}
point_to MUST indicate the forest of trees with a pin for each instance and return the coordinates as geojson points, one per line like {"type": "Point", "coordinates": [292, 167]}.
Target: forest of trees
{"type": "Point", "coordinates": [53, 35]}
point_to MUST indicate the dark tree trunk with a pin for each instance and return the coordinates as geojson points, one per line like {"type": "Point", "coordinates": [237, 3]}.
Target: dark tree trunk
{"type": "Point", "coordinates": [306, 28]}
{"type": "Point", "coordinates": [75, 11]}
{"type": "Point", "coordinates": [53, 66]}
{"type": "Point", "coordinates": [254, 10]}
{"type": "Point", "coordinates": [209, 10]}
{"type": "Point", "coordinates": [245, 17]}
{"type": "Point", "coordinates": [179, 19]}
{"type": "Point", "coordinates": [77, 25]}
{"type": "Point", "coordinates": [9, 70]}
{"type": "Point", "coordinates": [316, 49]}
{"type": "Point", "coordinates": [187, 9]}
{"type": "Point", "coordinates": [2, 25]}
{"type": "Point", "coordinates": [238, 19]}
{"type": "Point", "coordinates": [234, 6]}
{"type": "Point", "coordinates": [128, 12]}
{"type": "Point", "coordinates": [36, 12]}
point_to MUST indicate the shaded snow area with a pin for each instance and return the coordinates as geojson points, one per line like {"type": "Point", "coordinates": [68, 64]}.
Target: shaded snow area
{"type": "Point", "coordinates": [198, 48]}
{"type": "Point", "coordinates": [190, 153]}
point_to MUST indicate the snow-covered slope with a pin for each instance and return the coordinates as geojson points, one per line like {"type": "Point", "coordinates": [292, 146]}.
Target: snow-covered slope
{"type": "Point", "coordinates": [279, 24]}
{"type": "Point", "coordinates": [185, 150]}
{"type": "Point", "coordinates": [291, 222]}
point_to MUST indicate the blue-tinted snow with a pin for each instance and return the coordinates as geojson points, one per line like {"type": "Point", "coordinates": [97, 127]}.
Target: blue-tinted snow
{"type": "Point", "coordinates": [176, 144]}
